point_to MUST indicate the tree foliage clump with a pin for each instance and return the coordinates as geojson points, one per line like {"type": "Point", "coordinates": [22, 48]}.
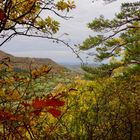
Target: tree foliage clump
{"type": "Point", "coordinates": [118, 41]}
{"type": "Point", "coordinates": [106, 108]}
{"type": "Point", "coordinates": [31, 17]}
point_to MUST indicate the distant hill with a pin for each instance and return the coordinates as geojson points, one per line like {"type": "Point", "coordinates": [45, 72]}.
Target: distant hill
{"type": "Point", "coordinates": [74, 67]}
{"type": "Point", "coordinates": [4, 55]}
{"type": "Point", "coordinates": [58, 74]}
{"type": "Point", "coordinates": [77, 67]}
{"type": "Point", "coordinates": [26, 63]}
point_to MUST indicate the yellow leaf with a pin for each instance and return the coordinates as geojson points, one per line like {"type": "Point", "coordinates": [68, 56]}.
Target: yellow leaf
{"type": "Point", "coordinates": [13, 95]}
{"type": "Point", "coordinates": [2, 93]}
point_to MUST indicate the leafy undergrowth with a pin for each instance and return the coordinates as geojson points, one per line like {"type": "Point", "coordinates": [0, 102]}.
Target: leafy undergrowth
{"type": "Point", "coordinates": [106, 108]}
{"type": "Point", "coordinates": [23, 113]}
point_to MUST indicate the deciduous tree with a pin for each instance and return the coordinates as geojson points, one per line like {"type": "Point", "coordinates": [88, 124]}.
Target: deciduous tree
{"type": "Point", "coordinates": [31, 17]}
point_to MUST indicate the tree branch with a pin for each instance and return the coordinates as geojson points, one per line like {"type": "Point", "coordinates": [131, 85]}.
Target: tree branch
{"type": "Point", "coordinates": [11, 36]}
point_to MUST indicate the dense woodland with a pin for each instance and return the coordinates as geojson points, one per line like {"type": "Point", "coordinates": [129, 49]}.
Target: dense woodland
{"type": "Point", "coordinates": [103, 103]}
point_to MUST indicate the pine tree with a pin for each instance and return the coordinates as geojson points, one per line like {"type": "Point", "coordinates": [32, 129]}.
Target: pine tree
{"type": "Point", "coordinates": [118, 43]}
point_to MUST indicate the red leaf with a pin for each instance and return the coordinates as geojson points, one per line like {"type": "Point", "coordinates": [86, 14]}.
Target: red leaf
{"type": "Point", "coordinates": [56, 113]}
{"type": "Point", "coordinates": [38, 104]}
{"type": "Point", "coordinates": [8, 116]}
{"type": "Point", "coordinates": [2, 16]}
{"type": "Point", "coordinates": [5, 115]}
{"type": "Point", "coordinates": [54, 102]}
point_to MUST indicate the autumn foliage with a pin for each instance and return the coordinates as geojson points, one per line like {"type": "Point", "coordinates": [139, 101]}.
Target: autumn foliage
{"type": "Point", "coordinates": [19, 108]}
{"type": "Point", "coordinates": [31, 18]}
{"type": "Point", "coordinates": [106, 107]}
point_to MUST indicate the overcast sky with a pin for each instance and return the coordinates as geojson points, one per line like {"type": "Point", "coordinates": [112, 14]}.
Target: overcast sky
{"type": "Point", "coordinates": [76, 28]}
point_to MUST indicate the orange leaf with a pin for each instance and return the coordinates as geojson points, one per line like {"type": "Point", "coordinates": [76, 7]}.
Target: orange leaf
{"type": "Point", "coordinates": [56, 113]}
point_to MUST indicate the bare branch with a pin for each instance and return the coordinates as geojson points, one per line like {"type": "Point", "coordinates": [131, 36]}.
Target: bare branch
{"type": "Point", "coordinates": [8, 38]}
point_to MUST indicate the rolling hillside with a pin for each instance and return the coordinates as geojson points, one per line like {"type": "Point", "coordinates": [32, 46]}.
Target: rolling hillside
{"type": "Point", "coordinates": [26, 63]}
{"type": "Point", "coordinates": [58, 73]}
